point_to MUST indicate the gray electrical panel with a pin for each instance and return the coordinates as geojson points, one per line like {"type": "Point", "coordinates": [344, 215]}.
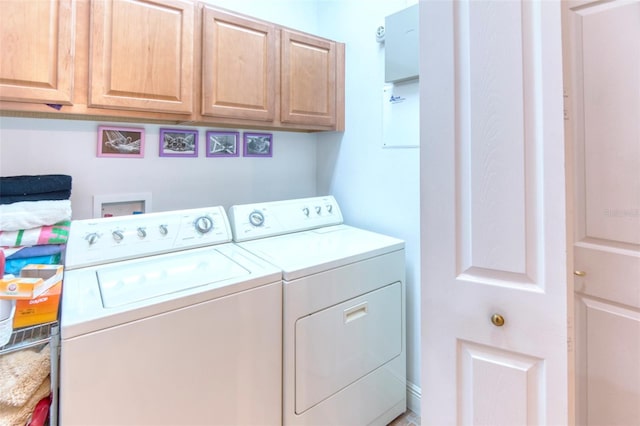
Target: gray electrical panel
{"type": "Point", "coordinates": [401, 45]}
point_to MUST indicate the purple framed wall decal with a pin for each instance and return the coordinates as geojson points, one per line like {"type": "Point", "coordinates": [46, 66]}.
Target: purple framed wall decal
{"type": "Point", "coordinates": [178, 143]}
{"type": "Point", "coordinates": [258, 144]}
{"type": "Point", "coordinates": [123, 142]}
{"type": "Point", "coordinates": [223, 144]}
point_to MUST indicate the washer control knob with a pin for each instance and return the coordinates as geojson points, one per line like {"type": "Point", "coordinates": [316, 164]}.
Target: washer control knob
{"type": "Point", "coordinates": [329, 208]}
{"type": "Point", "coordinates": [142, 232]}
{"type": "Point", "coordinates": [305, 210]}
{"type": "Point", "coordinates": [92, 238]}
{"type": "Point", "coordinates": [117, 236]}
{"type": "Point", "coordinates": [318, 209]}
{"type": "Point", "coordinates": [203, 224]}
{"type": "Point", "coordinates": [164, 230]}
{"type": "Point", "coordinates": [256, 218]}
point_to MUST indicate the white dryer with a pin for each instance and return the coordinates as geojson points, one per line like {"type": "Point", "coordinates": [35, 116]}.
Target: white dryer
{"type": "Point", "coordinates": [343, 311]}
{"type": "Point", "coordinates": [165, 322]}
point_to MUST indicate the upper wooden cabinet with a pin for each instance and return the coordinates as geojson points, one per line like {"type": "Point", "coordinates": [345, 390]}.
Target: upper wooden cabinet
{"type": "Point", "coordinates": [37, 39]}
{"type": "Point", "coordinates": [308, 92]}
{"type": "Point", "coordinates": [166, 61]}
{"type": "Point", "coordinates": [238, 66]}
{"type": "Point", "coordinates": [256, 70]}
{"type": "Point", "coordinates": [141, 55]}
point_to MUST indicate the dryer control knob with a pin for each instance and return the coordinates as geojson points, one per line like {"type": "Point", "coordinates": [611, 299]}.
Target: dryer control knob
{"type": "Point", "coordinates": [329, 208]}
{"type": "Point", "coordinates": [142, 232]}
{"type": "Point", "coordinates": [203, 224]}
{"type": "Point", "coordinates": [318, 209]}
{"type": "Point", "coordinates": [305, 210]}
{"type": "Point", "coordinates": [118, 236]}
{"type": "Point", "coordinates": [256, 218]}
{"type": "Point", "coordinates": [164, 230]}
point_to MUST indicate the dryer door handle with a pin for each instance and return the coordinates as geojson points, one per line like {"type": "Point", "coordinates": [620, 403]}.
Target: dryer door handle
{"type": "Point", "coordinates": [355, 312]}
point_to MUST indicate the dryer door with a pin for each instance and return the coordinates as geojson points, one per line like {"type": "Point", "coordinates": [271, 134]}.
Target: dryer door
{"type": "Point", "coordinates": [338, 345]}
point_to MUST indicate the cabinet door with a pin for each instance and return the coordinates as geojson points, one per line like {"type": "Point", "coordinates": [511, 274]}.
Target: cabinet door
{"type": "Point", "coordinates": [308, 79]}
{"type": "Point", "coordinates": [37, 51]}
{"type": "Point", "coordinates": [239, 67]}
{"type": "Point", "coordinates": [141, 55]}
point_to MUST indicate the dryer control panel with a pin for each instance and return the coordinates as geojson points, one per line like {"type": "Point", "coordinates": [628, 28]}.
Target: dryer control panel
{"type": "Point", "coordinates": [103, 240]}
{"type": "Point", "coordinates": [251, 221]}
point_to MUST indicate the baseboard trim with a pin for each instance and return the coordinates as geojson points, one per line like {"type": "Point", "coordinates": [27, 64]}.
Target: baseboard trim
{"type": "Point", "coordinates": [414, 394]}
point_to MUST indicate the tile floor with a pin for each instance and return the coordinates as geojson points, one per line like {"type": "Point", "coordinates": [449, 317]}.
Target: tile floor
{"type": "Point", "coordinates": [409, 418]}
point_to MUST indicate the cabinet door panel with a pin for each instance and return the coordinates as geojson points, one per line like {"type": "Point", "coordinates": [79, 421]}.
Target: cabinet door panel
{"type": "Point", "coordinates": [142, 55]}
{"type": "Point", "coordinates": [308, 79]}
{"type": "Point", "coordinates": [37, 51]}
{"type": "Point", "coordinates": [238, 60]}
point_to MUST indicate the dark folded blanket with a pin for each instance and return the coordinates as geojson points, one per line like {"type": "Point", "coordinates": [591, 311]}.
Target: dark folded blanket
{"type": "Point", "coordinates": [44, 196]}
{"type": "Point", "coordinates": [23, 185]}
{"type": "Point", "coordinates": [34, 188]}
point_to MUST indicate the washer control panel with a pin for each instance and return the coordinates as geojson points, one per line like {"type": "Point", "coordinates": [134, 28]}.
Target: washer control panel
{"type": "Point", "coordinates": [103, 240]}
{"type": "Point", "coordinates": [251, 221]}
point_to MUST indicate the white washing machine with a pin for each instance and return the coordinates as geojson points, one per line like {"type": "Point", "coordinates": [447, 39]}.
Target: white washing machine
{"type": "Point", "coordinates": [343, 311]}
{"type": "Point", "coordinates": [165, 322]}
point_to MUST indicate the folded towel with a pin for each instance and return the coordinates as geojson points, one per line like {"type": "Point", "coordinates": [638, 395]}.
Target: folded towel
{"type": "Point", "coordinates": [54, 234]}
{"type": "Point", "coordinates": [31, 251]}
{"type": "Point", "coordinates": [57, 195]}
{"type": "Point", "coordinates": [32, 214]}
{"type": "Point", "coordinates": [18, 416]}
{"type": "Point", "coordinates": [38, 184]}
{"type": "Point", "coordinates": [22, 373]}
{"type": "Point", "coordinates": [14, 266]}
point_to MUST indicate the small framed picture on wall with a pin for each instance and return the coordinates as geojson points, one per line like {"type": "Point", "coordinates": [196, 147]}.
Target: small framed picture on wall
{"type": "Point", "coordinates": [223, 144]}
{"type": "Point", "coordinates": [258, 144]}
{"type": "Point", "coordinates": [178, 143]}
{"type": "Point", "coordinates": [125, 142]}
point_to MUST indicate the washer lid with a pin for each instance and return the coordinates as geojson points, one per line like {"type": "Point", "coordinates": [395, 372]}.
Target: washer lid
{"type": "Point", "coordinates": [122, 284]}
{"type": "Point", "coordinates": [99, 297]}
{"type": "Point", "coordinates": [309, 252]}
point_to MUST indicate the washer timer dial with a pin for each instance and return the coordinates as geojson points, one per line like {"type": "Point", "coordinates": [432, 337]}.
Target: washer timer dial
{"type": "Point", "coordinates": [256, 218]}
{"type": "Point", "coordinates": [203, 224]}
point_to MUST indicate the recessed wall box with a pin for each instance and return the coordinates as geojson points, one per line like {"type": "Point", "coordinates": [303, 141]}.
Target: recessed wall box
{"type": "Point", "coordinates": [401, 45]}
{"type": "Point", "coordinates": [121, 204]}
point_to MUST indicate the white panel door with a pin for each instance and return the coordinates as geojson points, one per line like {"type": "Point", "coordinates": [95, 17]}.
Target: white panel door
{"type": "Point", "coordinates": [493, 215]}
{"type": "Point", "coordinates": [603, 110]}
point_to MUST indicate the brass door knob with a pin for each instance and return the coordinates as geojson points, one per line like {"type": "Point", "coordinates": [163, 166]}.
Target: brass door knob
{"type": "Point", "coordinates": [579, 273]}
{"type": "Point", "coordinates": [497, 320]}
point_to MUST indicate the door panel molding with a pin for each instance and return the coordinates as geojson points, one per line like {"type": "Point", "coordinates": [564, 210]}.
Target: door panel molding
{"type": "Point", "coordinates": [608, 368]}
{"type": "Point", "coordinates": [498, 102]}
{"type": "Point", "coordinates": [517, 380]}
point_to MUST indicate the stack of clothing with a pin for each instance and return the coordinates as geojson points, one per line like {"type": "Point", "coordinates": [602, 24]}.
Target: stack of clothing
{"type": "Point", "coordinates": [35, 215]}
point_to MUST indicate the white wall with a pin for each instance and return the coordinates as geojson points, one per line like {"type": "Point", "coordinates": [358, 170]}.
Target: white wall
{"type": "Point", "coordinates": [39, 146]}
{"type": "Point", "coordinates": [376, 188]}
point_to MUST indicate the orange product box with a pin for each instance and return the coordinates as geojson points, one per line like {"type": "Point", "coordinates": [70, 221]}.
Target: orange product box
{"type": "Point", "coordinates": [40, 310]}
{"type": "Point", "coordinates": [32, 282]}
